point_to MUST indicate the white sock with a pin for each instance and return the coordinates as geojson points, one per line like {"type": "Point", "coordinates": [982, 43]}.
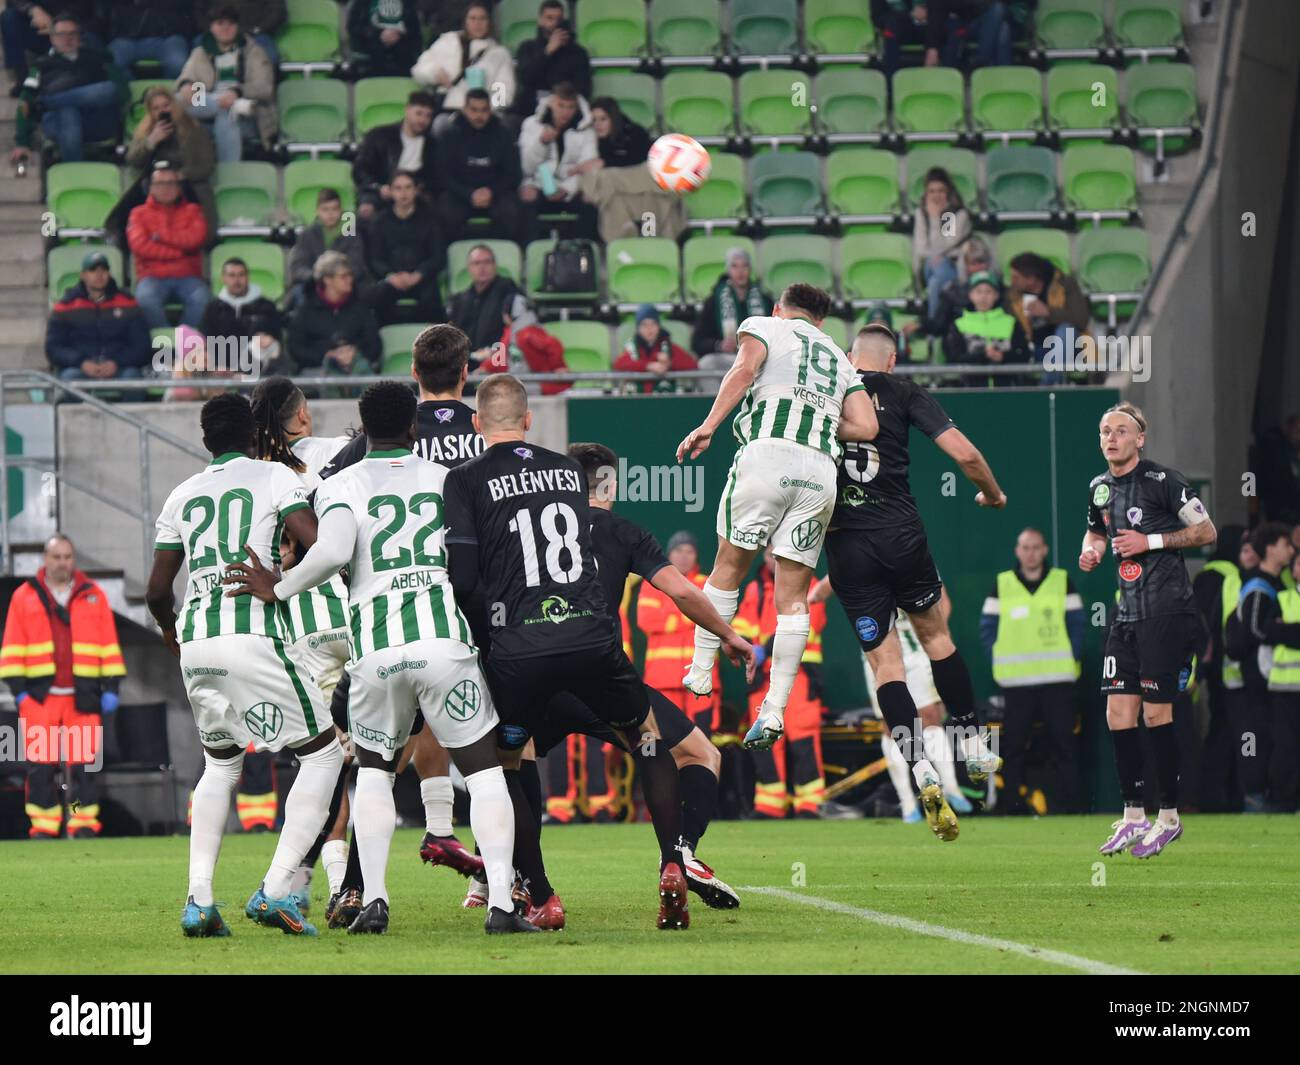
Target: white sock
{"type": "Point", "coordinates": [923, 772]}
{"type": "Point", "coordinates": [211, 808]}
{"type": "Point", "coordinates": [974, 744]}
{"type": "Point", "coordinates": [898, 775]}
{"type": "Point", "coordinates": [939, 751]}
{"type": "Point", "coordinates": [788, 646]}
{"type": "Point", "coordinates": [1135, 813]}
{"type": "Point", "coordinates": [374, 819]}
{"type": "Point", "coordinates": [437, 795]}
{"type": "Point", "coordinates": [1168, 817]}
{"type": "Point", "coordinates": [334, 856]}
{"type": "Point", "coordinates": [492, 817]}
{"type": "Point", "coordinates": [305, 809]}
{"type": "Point", "coordinates": [301, 879]}
{"type": "Point", "coordinates": [706, 644]}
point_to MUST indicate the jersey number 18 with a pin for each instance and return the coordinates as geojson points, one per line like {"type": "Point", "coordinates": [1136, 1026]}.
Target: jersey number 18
{"type": "Point", "coordinates": [556, 541]}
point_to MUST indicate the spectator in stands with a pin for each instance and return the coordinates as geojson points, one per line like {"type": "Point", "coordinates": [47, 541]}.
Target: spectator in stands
{"type": "Point", "coordinates": [406, 145]}
{"type": "Point", "coordinates": [242, 310]}
{"type": "Point", "coordinates": [238, 80]}
{"type": "Point", "coordinates": [150, 29]}
{"type": "Point", "coordinates": [985, 333]}
{"type": "Point", "coordinates": [554, 144]}
{"type": "Point", "coordinates": [550, 58]}
{"type": "Point", "coordinates": [328, 232]}
{"type": "Point", "coordinates": [651, 350]}
{"type": "Point", "coordinates": [1048, 302]}
{"type": "Point", "coordinates": [405, 257]}
{"type": "Point", "coordinates": [940, 227]}
{"type": "Point", "coordinates": [525, 347]}
{"type": "Point", "coordinates": [75, 91]}
{"type": "Point", "coordinates": [734, 298]}
{"type": "Point", "coordinates": [902, 22]}
{"type": "Point", "coordinates": [479, 168]}
{"type": "Point", "coordinates": [982, 21]}
{"type": "Point", "coordinates": [26, 26]}
{"type": "Point", "coordinates": [166, 235]}
{"type": "Point", "coordinates": [975, 258]}
{"type": "Point", "coordinates": [620, 141]}
{"type": "Point", "coordinates": [384, 36]}
{"type": "Point", "coordinates": [479, 311]}
{"type": "Point", "coordinates": [96, 330]}
{"type": "Point", "coordinates": [461, 61]}
{"type": "Point", "coordinates": [262, 18]}
{"type": "Point", "coordinates": [624, 195]}
{"type": "Point", "coordinates": [333, 330]}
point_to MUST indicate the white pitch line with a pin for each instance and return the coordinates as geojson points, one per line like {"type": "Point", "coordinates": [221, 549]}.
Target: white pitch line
{"type": "Point", "coordinates": [924, 928]}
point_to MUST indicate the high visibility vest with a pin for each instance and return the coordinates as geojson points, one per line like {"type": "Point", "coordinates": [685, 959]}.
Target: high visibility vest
{"type": "Point", "coordinates": [1033, 644]}
{"type": "Point", "coordinates": [994, 324]}
{"type": "Point", "coordinates": [1231, 592]}
{"type": "Point", "coordinates": [1284, 675]}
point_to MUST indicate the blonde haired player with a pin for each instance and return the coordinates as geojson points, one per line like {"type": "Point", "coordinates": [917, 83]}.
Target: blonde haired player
{"type": "Point", "coordinates": [801, 398]}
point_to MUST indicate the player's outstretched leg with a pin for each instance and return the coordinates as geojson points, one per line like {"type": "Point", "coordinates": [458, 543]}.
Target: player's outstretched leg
{"type": "Point", "coordinates": [660, 785]}
{"type": "Point", "coordinates": [211, 808]}
{"type": "Point", "coordinates": [1121, 716]}
{"type": "Point", "coordinates": [698, 763]}
{"type": "Point", "coordinates": [722, 589]}
{"type": "Point", "coordinates": [440, 845]}
{"type": "Point", "coordinates": [1167, 827]}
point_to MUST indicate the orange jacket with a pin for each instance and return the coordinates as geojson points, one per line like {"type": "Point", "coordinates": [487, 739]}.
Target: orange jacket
{"type": "Point", "coordinates": [167, 241]}
{"type": "Point", "coordinates": [28, 657]}
{"type": "Point", "coordinates": [670, 637]}
{"type": "Point", "coordinates": [756, 621]}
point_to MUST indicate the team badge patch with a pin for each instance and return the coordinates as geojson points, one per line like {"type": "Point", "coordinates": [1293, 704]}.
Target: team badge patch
{"type": "Point", "coordinates": [524, 452]}
{"type": "Point", "coordinates": [1135, 515]}
{"type": "Point", "coordinates": [1101, 495]}
{"type": "Point", "coordinates": [1129, 570]}
{"type": "Point", "coordinates": [867, 628]}
{"type": "Point", "coordinates": [444, 414]}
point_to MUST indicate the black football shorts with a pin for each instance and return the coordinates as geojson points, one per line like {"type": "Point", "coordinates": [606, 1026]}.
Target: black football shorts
{"type": "Point", "coordinates": [567, 714]}
{"type": "Point", "coordinates": [875, 573]}
{"type": "Point", "coordinates": [1152, 658]}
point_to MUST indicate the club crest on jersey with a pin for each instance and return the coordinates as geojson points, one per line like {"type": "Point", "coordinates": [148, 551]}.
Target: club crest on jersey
{"type": "Point", "coordinates": [1134, 515]}
{"type": "Point", "coordinates": [444, 414]}
{"type": "Point", "coordinates": [1129, 570]}
{"type": "Point", "coordinates": [1101, 495]}
{"type": "Point", "coordinates": [524, 452]}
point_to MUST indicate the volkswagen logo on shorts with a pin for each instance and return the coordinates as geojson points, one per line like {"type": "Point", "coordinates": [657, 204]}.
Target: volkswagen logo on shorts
{"type": "Point", "coordinates": [463, 701]}
{"type": "Point", "coordinates": [264, 721]}
{"type": "Point", "coordinates": [807, 534]}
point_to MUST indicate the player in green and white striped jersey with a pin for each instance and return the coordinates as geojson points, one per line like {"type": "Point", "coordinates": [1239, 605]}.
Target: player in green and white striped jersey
{"type": "Point", "coordinates": [801, 398]}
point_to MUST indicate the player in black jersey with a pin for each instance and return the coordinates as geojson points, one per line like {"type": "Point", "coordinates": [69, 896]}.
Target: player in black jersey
{"type": "Point", "coordinates": [879, 560]}
{"type": "Point", "coordinates": [519, 538]}
{"type": "Point", "coordinates": [1147, 514]}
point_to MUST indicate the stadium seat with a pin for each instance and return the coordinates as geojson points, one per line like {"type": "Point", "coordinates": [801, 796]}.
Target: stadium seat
{"type": "Point", "coordinates": [1099, 178]}
{"type": "Point", "coordinates": [1113, 260]}
{"type": "Point", "coordinates": [852, 105]}
{"type": "Point", "coordinates": [510, 261]}
{"type": "Point", "coordinates": [516, 22]}
{"type": "Point", "coordinates": [535, 272]}
{"type": "Point", "coordinates": [135, 104]}
{"type": "Point", "coordinates": [1073, 93]}
{"type": "Point", "coordinates": [838, 330]}
{"type": "Point", "coordinates": [586, 348]}
{"type": "Point", "coordinates": [785, 260]}
{"type": "Point", "coordinates": [635, 94]}
{"type": "Point", "coordinates": [643, 270]}
{"type": "Point", "coordinates": [1006, 99]}
{"type": "Point", "coordinates": [929, 100]}
{"type": "Point", "coordinates": [876, 266]}
{"type": "Point", "coordinates": [313, 114]}
{"type": "Point", "coordinates": [304, 178]}
{"type": "Point", "coordinates": [1148, 24]}
{"type": "Point", "coordinates": [699, 103]}
{"type": "Point", "coordinates": [704, 260]}
{"type": "Point", "coordinates": [1070, 26]}
{"type": "Point", "coordinates": [721, 199]}
{"type": "Point", "coordinates": [835, 29]}
{"type": "Point", "coordinates": [960, 164]}
{"type": "Point", "coordinates": [678, 332]}
{"type": "Point", "coordinates": [1053, 244]}
{"type": "Point", "coordinates": [611, 29]}
{"type": "Point", "coordinates": [786, 188]}
{"type": "Point", "coordinates": [396, 342]}
{"type": "Point", "coordinates": [1021, 182]}
{"type": "Point", "coordinates": [80, 195]}
{"type": "Point", "coordinates": [379, 102]}
{"type": "Point", "coordinates": [766, 110]}
{"type": "Point", "coordinates": [265, 264]}
{"type": "Point", "coordinates": [247, 195]}
{"type": "Point", "coordinates": [685, 31]}
{"type": "Point", "coordinates": [764, 28]}
{"type": "Point", "coordinates": [1160, 101]}
{"type": "Point", "coordinates": [310, 34]}
{"type": "Point", "coordinates": [862, 184]}
{"type": "Point", "coordinates": [63, 266]}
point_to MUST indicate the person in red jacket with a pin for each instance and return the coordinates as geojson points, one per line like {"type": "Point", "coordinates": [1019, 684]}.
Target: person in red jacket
{"type": "Point", "coordinates": [651, 350]}
{"type": "Point", "coordinates": [61, 659]}
{"type": "Point", "coordinates": [166, 236]}
{"type": "Point", "coordinates": [526, 346]}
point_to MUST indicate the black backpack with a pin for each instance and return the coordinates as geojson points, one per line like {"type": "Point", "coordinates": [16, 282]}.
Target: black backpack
{"type": "Point", "coordinates": [570, 267]}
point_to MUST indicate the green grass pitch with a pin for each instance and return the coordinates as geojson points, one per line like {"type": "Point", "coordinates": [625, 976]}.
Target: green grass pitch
{"type": "Point", "coordinates": [1221, 900]}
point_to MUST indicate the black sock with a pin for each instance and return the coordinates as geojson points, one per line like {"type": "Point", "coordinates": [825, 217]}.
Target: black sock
{"type": "Point", "coordinates": [531, 781]}
{"type": "Point", "coordinates": [952, 682]}
{"type": "Point", "coordinates": [1165, 743]}
{"type": "Point", "coordinates": [699, 787]}
{"type": "Point", "coordinates": [352, 878]}
{"type": "Point", "coordinates": [528, 842]}
{"type": "Point", "coordinates": [1128, 764]}
{"type": "Point", "coordinates": [898, 708]}
{"type": "Point", "coordinates": [663, 797]}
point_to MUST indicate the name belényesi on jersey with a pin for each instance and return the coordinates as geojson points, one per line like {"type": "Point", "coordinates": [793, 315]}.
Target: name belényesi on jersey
{"type": "Point", "coordinates": [1150, 498]}
{"type": "Point", "coordinates": [525, 508]}
{"type": "Point", "coordinates": [400, 591]}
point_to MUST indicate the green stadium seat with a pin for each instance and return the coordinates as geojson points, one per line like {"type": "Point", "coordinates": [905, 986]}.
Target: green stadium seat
{"type": "Point", "coordinates": [63, 266]}
{"type": "Point", "coordinates": [80, 195]}
{"type": "Point", "coordinates": [1071, 92]}
{"type": "Point", "coordinates": [304, 178]}
{"type": "Point", "coordinates": [380, 102]}
{"type": "Point", "coordinates": [786, 188]}
{"type": "Point", "coordinates": [1006, 99]}
{"type": "Point", "coordinates": [862, 184]}
{"type": "Point", "coordinates": [1021, 182]}
{"type": "Point", "coordinates": [1070, 26]}
{"type": "Point", "coordinates": [929, 100]}
{"type": "Point", "coordinates": [1160, 100]}
{"type": "Point", "coordinates": [1148, 24]}
{"type": "Point", "coordinates": [1113, 260]}
{"type": "Point", "coordinates": [784, 260]}
{"type": "Point", "coordinates": [678, 332]}
{"type": "Point", "coordinates": [135, 104]}
{"type": "Point", "coordinates": [1053, 244]}
{"type": "Point", "coordinates": [685, 32]}
{"type": "Point", "coordinates": [876, 266]}
{"type": "Point", "coordinates": [721, 199]}
{"type": "Point", "coordinates": [586, 348]}
{"type": "Point", "coordinates": [510, 261]}
{"type": "Point", "coordinates": [516, 22]}
{"type": "Point", "coordinates": [396, 342]}
{"type": "Point", "coordinates": [1099, 178]}
{"type": "Point", "coordinates": [611, 29]}
{"type": "Point", "coordinates": [961, 167]}
{"type": "Point", "coordinates": [313, 113]}
{"type": "Point", "coordinates": [310, 34]}
{"type": "Point", "coordinates": [643, 270]}
{"type": "Point", "coordinates": [699, 103]}
{"type": "Point", "coordinates": [852, 105]}
{"type": "Point", "coordinates": [838, 29]}
{"type": "Point", "coordinates": [838, 330]}
{"type": "Point", "coordinates": [535, 271]}
{"type": "Point", "coordinates": [766, 110]}
{"type": "Point", "coordinates": [635, 94]}
{"type": "Point", "coordinates": [704, 260]}
{"type": "Point", "coordinates": [764, 28]}
{"type": "Point", "coordinates": [265, 264]}
{"type": "Point", "coordinates": [247, 196]}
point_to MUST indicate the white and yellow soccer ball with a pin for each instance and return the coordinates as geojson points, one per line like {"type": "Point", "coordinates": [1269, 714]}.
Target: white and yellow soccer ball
{"type": "Point", "coordinates": [679, 163]}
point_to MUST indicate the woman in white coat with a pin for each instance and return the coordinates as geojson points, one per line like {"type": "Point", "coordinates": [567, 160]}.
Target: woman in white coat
{"type": "Point", "coordinates": [458, 59]}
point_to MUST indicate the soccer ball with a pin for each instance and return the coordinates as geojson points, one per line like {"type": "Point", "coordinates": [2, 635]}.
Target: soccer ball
{"type": "Point", "coordinates": [679, 163]}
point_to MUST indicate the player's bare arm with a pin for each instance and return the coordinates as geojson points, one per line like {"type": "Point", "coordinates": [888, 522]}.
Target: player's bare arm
{"type": "Point", "coordinates": [1130, 542]}
{"type": "Point", "coordinates": [858, 419]}
{"type": "Point", "coordinates": [160, 598]}
{"type": "Point", "coordinates": [957, 446]}
{"type": "Point", "coordinates": [749, 359]}
{"type": "Point", "coordinates": [696, 606]}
